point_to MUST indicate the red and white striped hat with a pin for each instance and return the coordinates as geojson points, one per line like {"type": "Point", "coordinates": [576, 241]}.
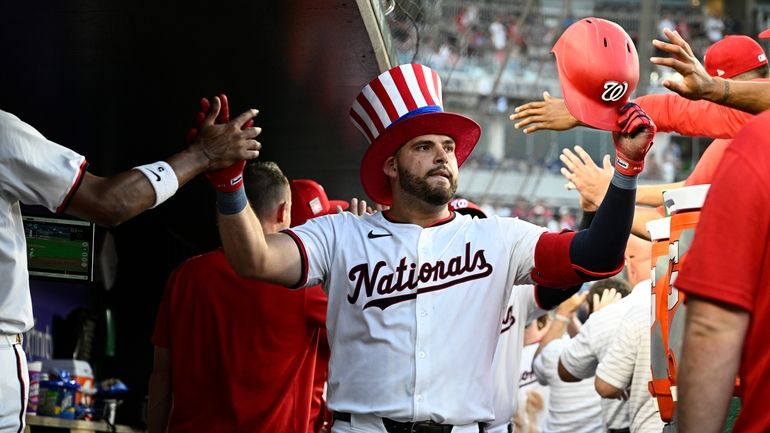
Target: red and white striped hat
{"type": "Point", "coordinates": [399, 105]}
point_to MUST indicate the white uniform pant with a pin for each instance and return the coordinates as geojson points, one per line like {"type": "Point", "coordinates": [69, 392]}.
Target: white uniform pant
{"type": "Point", "coordinates": [373, 424]}
{"type": "Point", "coordinates": [14, 384]}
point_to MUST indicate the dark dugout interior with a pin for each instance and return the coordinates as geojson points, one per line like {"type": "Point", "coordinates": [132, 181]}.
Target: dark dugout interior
{"type": "Point", "coordinates": [119, 82]}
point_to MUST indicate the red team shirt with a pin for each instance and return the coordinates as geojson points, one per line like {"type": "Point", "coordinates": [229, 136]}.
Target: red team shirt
{"type": "Point", "coordinates": [729, 260]}
{"type": "Point", "coordinates": [264, 342]}
{"type": "Point", "coordinates": [697, 118]}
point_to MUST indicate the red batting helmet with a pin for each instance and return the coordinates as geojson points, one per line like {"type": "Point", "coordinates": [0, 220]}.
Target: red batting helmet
{"type": "Point", "coordinates": [466, 207]}
{"type": "Point", "coordinates": [598, 70]}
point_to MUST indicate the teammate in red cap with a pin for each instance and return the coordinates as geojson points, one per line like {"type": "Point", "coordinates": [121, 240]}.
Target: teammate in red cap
{"type": "Point", "coordinates": [237, 355]}
{"type": "Point", "coordinates": [417, 293]}
{"type": "Point", "coordinates": [697, 84]}
{"type": "Point", "coordinates": [734, 57]}
{"type": "Point", "coordinates": [309, 200]}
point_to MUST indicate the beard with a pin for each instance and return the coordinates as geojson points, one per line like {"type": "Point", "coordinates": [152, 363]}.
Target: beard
{"type": "Point", "coordinates": [419, 187]}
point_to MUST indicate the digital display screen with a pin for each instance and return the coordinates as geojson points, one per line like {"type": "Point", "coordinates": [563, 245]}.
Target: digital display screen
{"type": "Point", "coordinates": [59, 248]}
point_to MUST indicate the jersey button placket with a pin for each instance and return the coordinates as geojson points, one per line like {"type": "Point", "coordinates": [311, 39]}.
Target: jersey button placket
{"type": "Point", "coordinates": [422, 333]}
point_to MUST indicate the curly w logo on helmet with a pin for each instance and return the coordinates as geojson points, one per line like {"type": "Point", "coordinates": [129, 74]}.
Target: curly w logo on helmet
{"type": "Point", "coordinates": [613, 91]}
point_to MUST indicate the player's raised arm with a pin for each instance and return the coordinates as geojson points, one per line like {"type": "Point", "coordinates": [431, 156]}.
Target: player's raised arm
{"type": "Point", "coordinates": [110, 201]}
{"type": "Point", "coordinates": [752, 97]}
{"type": "Point", "coordinates": [251, 253]}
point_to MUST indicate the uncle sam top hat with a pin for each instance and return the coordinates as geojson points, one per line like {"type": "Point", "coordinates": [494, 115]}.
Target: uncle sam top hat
{"type": "Point", "coordinates": [397, 106]}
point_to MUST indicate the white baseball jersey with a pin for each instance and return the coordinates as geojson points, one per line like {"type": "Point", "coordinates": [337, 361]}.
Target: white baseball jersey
{"type": "Point", "coordinates": [573, 407]}
{"type": "Point", "coordinates": [414, 313]}
{"type": "Point", "coordinates": [34, 171]}
{"type": "Point", "coordinates": [522, 309]}
{"type": "Point", "coordinates": [584, 352]}
{"type": "Point", "coordinates": [627, 364]}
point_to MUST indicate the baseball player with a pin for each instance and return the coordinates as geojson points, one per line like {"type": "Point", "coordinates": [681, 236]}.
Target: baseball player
{"type": "Point", "coordinates": [417, 293]}
{"type": "Point", "coordinates": [270, 366]}
{"type": "Point", "coordinates": [35, 170]}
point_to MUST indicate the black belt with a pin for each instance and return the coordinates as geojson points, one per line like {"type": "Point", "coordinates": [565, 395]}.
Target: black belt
{"type": "Point", "coordinates": [619, 430]}
{"type": "Point", "coordinates": [408, 427]}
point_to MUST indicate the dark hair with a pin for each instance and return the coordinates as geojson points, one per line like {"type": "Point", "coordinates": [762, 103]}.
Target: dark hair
{"type": "Point", "coordinates": [598, 287]}
{"type": "Point", "coordinates": [266, 187]}
{"type": "Point", "coordinates": [761, 71]}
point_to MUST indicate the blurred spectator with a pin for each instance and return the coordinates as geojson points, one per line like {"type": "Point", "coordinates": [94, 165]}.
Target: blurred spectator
{"type": "Point", "coordinates": [714, 26]}
{"type": "Point", "coordinates": [532, 401]}
{"type": "Point", "coordinates": [666, 22]}
{"type": "Point", "coordinates": [466, 17]}
{"type": "Point", "coordinates": [572, 407]}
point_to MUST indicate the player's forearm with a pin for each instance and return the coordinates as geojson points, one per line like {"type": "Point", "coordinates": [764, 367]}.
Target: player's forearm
{"type": "Point", "coordinates": [749, 96]}
{"type": "Point", "coordinates": [643, 215]}
{"type": "Point", "coordinates": [244, 243]}
{"type": "Point", "coordinates": [159, 393]}
{"type": "Point", "coordinates": [673, 113]}
{"type": "Point", "coordinates": [109, 201]}
{"type": "Point", "coordinates": [652, 195]}
{"type": "Point", "coordinates": [710, 358]}
{"type": "Point", "coordinates": [158, 406]}
{"type": "Point", "coordinates": [598, 250]}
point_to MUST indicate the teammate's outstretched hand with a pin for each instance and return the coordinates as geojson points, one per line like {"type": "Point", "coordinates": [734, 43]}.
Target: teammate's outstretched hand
{"type": "Point", "coordinates": [357, 207]}
{"type": "Point", "coordinates": [634, 140]}
{"type": "Point", "coordinates": [360, 207]}
{"type": "Point", "coordinates": [608, 297]}
{"type": "Point", "coordinates": [227, 143]}
{"type": "Point", "coordinates": [696, 82]}
{"type": "Point", "coordinates": [549, 114]}
{"type": "Point", "coordinates": [582, 174]}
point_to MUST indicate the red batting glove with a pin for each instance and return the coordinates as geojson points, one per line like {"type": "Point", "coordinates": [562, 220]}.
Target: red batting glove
{"type": "Point", "coordinates": [634, 139]}
{"type": "Point", "coordinates": [229, 178]}
{"type": "Point", "coordinates": [192, 133]}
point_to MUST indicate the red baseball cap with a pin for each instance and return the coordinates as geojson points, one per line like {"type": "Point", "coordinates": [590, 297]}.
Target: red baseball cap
{"type": "Point", "coordinates": [466, 207]}
{"type": "Point", "coordinates": [733, 55]}
{"type": "Point", "coordinates": [598, 70]}
{"type": "Point", "coordinates": [309, 200]}
{"type": "Point", "coordinates": [764, 34]}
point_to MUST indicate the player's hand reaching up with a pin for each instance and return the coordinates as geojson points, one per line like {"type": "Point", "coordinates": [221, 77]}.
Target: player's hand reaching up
{"type": "Point", "coordinates": [608, 297]}
{"type": "Point", "coordinates": [549, 114]}
{"type": "Point", "coordinates": [696, 82]}
{"type": "Point", "coordinates": [634, 140]}
{"type": "Point", "coordinates": [360, 207]}
{"type": "Point", "coordinates": [582, 174]}
{"type": "Point", "coordinates": [224, 142]}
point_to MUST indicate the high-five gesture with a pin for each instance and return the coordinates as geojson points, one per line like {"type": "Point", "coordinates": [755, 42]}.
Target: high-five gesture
{"type": "Point", "coordinates": [225, 142]}
{"type": "Point", "coordinates": [634, 139]}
